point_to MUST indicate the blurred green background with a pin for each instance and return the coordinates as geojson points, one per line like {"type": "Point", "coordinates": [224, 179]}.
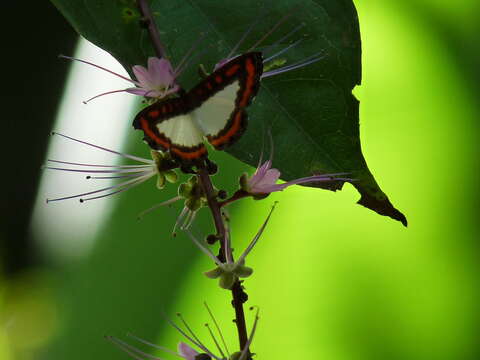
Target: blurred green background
{"type": "Point", "coordinates": [333, 280]}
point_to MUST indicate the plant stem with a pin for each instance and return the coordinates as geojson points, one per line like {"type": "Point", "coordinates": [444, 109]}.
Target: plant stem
{"type": "Point", "coordinates": [144, 8]}
{"type": "Point", "coordinates": [207, 185]}
{"type": "Point", "coordinates": [239, 296]}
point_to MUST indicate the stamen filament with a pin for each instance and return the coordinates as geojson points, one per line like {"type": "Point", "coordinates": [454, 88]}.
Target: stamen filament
{"type": "Point", "coordinates": [215, 341]}
{"type": "Point", "coordinates": [192, 340]}
{"type": "Point", "coordinates": [116, 177]}
{"type": "Point", "coordinates": [99, 171]}
{"type": "Point", "coordinates": [284, 38]}
{"type": "Point", "coordinates": [179, 219]}
{"type": "Point", "coordinates": [126, 183]}
{"type": "Point", "coordinates": [128, 156]}
{"type": "Point", "coordinates": [189, 329]}
{"type": "Point", "coordinates": [131, 350]}
{"type": "Point", "coordinates": [185, 57]}
{"type": "Point", "coordinates": [218, 327]}
{"type": "Point", "coordinates": [164, 203]}
{"type": "Point", "coordinates": [282, 51]}
{"type": "Point", "coordinates": [292, 67]}
{"type": "Point", "coordinates": [136, 182]}
{"type": "Point", "coordinates": [101, 68]}
{"type": "Point", "coordinates": [152, 344]}
{"type": "Point", "coordinates": [255, 239]}
{"type": "Point", "coordinates": [270, 32]}
{"type": "Point", "coordinates": [102, 94]}
{"type": "Point", "coordinates": [97, 165]}
{"type": "Point", "coordinates": [204, 249]}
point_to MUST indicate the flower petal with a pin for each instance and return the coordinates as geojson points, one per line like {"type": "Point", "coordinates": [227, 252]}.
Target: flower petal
{"type": "Point", "coordinates": [186, 351]}
{"type": "Point", "coordinates": [142, 75]}
{"type": "Point", "coordinates": [161, 72]}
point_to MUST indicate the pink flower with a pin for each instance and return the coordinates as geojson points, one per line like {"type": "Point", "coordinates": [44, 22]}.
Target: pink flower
{"type": "Point", "coordinates": [187, 352]}
{"type": "Point", "coordinates": [264, 180]}
{"type": "Point", "coordinates": [156, 81]}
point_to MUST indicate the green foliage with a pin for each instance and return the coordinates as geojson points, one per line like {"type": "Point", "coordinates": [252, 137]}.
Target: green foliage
{"type": "Point", "coordinates": [312, 114]}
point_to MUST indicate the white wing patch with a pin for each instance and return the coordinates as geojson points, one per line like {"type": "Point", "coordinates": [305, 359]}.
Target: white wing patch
{"type": "Point", "coordinates": [181, 130]}
{"type": "Point", "coordinates": [212, 116]}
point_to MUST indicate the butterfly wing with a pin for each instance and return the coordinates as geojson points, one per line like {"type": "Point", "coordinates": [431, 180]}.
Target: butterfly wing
{"type": "Point", "coordinates": [168, 126]}
{"type": "Point", "coordinates": [214, 109]}
{"type": "Point", "coordinates": [223, 96]}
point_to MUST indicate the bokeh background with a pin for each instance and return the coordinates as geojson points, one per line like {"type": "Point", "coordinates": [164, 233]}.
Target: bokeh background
{"type": "Point", "coordinates": [333, 280]}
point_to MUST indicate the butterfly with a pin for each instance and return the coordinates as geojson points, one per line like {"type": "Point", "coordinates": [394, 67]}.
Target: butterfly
{"type": "Point", "coordinates": [214, 110]}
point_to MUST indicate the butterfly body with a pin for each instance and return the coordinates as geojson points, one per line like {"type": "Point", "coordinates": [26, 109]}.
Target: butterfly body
{"type": "Point", "coordinates": [213, 110]}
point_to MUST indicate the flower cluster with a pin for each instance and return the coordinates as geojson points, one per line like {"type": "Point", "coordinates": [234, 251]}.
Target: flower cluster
{"type": "Point", "coordinates": [186, 351]}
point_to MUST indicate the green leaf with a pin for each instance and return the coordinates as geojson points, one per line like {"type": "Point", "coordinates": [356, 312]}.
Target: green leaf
{"type": "Point", "coordinates": [311, 112]}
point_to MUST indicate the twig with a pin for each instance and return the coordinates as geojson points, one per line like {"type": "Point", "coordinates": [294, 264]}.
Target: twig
{"type": "Point", "coordinates": [144, 8]}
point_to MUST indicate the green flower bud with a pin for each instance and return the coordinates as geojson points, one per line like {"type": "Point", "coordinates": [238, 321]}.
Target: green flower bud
{"type": "Point", "coordinates": [244, 182]}
{"type": "Point", "coordinates": [227, 279]}
{"type": "Point", "coordinates": [193, 204]}
{"type": "Point", "coordinates": [160, 181]}
{"type": "Point", "coordinates": [184, 190]}
{"type": "Point", "coordinates": [171, 176]}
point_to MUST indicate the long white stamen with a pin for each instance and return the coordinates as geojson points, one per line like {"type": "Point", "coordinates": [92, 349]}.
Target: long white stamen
{"type": "Point", "coordinates": [131, 350]}
{"type": "Point", "coordinates": [133, 183]}
{"type": "Point", "coordinates": [283, 38]}
{"type": "Point", "coordinates": [180, 217]}
{"type": "Point", "coordinates": [116, 177]}
{"type": "Point", "coordinates": [215, 341]}
{"type": "Point", "coordinates": [270, 32]}
{"type": "Point", "coordinates": [128, 156]}
{"type": "Point", "coordinates": [189, 61]}
{"type": "Point", "coordinates": [255, 239]}
{"type": "Point", "coordinates": [185, 57]}
{"type": "Point", "coordinates": [103, 94]}
{"type": "Point", "coordinates": [153, 345]}
{"type": "Point", "coordinates": [218, 328]}
{"type": "Point", "coordinates": [244, 36]}
{"type": "Point", "coordinates": [189, 329]}
{"type": "Point", "coordinates": [101, 68]}
{"type": "Point", "coordinates": [293, 66]}
{"type": "Point", "coordinates": [198, 344]}
{"type": "Point", "coordinates": [98, 171]}
{"type": "Point", "coordinates": [164, 203]}
{"type": "Point", "coordinates": [243, 355]}
{"type": "Point", "coordinates": [204, 249]}
{"type": "Point", "coordinates": [189, 221]}
{"type": "Point", "coordinates": [282, 51]}
{"type": "Point", "coordinates": [98, 165]}
{"type": "Point", "coordinates": [126, 183]}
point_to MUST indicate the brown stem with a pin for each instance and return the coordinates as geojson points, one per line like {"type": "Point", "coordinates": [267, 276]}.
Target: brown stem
{"type": "Point", "coordinates": [152, 27]}
{"type": "Point", "coordinates": [213, 205]}
{"type": "Point", "coordinates": [239, 296]}
{"type": "Point", "coordinates": [239, 194]}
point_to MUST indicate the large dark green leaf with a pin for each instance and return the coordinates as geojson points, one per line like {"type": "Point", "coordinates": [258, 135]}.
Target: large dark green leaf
{"type": "Point", "coordinates": [311, 112]}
